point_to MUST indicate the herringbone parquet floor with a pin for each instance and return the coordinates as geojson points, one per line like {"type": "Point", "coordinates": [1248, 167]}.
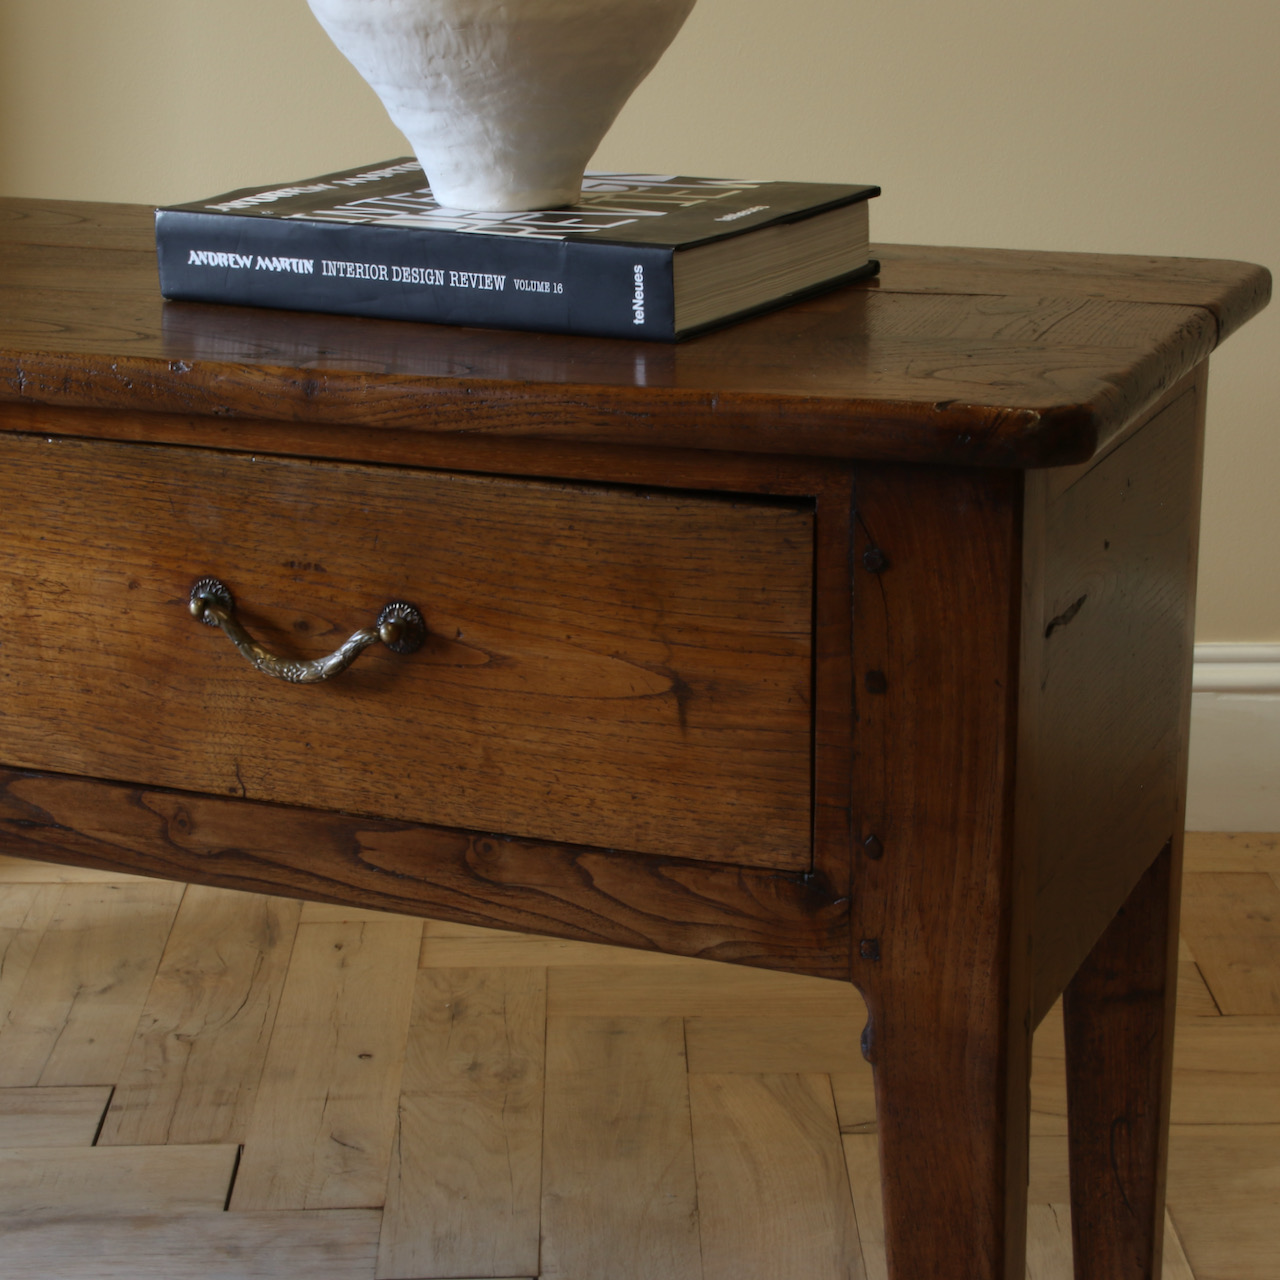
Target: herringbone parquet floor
{"type": "Point", "coordinates": [206, 1084]}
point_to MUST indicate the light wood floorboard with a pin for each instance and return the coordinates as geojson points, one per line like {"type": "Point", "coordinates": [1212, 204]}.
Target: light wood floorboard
{"type": "Point", "coordinates": [59, 1117]}
{"type": "Point", "coordinates": [1231, 922]}
{"type": "Point", "coordinates": [1232, 851]}
{"type": "Point", "coordinates": [462, 951]}
{"type": "Point", "coordinates": [465, 1184]}
{"type": "Point", "coordinates": [94, 1180]}
{"type": "Point", "coordinates": [73, 1018]}
{"type": "Point", "coordinates": [755, 1046]}
{"type": "Point", "coordinates": [773, 1193]}
{"type": "Point", "coordinates": [1224, 1198]}
{"type": "Point", "coordinates": [855, 1096]}
{"type": "Point", "coordinates": [527, 1107]}
{"type": "Point", "coordinates": [1049, 1245]}
{"type": "Point", "coordinates": [324, 1119]}
{"type": "Point", "coordinates": [619, 1195]}
{"type": "Point", "coordinates": [315, 1245]}
{"type": "Point", "coordinates": [25, 910]}
{"type": "Point", "coordinates": [708, 990]}
{"type": "Point", "coordinates": [1225, 1071]}
{"type": "Point", "coordinates": [335, 913]}
{"type": "Point", "coordinates": [28, 871]}
{"type": "Point", "coordinates": [862, 1160]}
{"type": "Point", "coordinates": [201, 1042]}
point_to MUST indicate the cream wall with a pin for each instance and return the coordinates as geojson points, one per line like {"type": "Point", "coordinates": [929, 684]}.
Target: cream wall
{"type": "Point", "coordinates": [1148, 126]}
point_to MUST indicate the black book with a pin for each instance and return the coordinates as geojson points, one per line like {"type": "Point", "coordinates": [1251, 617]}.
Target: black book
{"type": "Point", "coordinates": [640, 255]}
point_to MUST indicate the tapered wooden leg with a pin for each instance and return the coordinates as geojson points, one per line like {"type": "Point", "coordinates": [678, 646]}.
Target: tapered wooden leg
{"type": "Point", "coordinates": [944, 881]}
{"type": "Point", "coordinates": [1119, 1012]}
{"type": "Point", "coordinates": [953, 1115]}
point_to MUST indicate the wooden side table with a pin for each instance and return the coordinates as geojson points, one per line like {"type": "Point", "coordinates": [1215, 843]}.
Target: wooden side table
{"type": "Point", "coordinates": [854, 640]}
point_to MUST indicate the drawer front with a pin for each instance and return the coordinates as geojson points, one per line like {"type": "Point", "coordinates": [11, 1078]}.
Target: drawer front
{"type": "Point", "coordinates": [604, 666]}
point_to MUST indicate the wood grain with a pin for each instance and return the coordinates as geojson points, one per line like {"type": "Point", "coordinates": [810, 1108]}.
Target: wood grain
{"type": "Point", "coordinates": [441, 929]}
{"type": "Point", "coordinates": [1118, 1019]}
{"type": "Point", "coordinates": [1224, 1181]}
{"type": "Point", "coordinates": [95, 1180]}
{"type": "Point", "coordinates": [855, 1095]}
{"type": "Point", "coordinates": [1049, 1253]}
{"type": "Point", "coordinates": [1176, 1265]}
{"type": "Point", "coordinates": [1195, 1000]}
{"type": "Point", "coordinates": [1207, 851]}
{"type": "Point", "coordinates": [1114, 650]}
{"type": "Point", "coordinates": [941, 924]}
{"type": "Point", "coordinates": [318, 1244]}
{"type": "Point", "coordinates": [891, 370]}
{"type": "Point", "coordinates": [963, 381]}
{"type": "Point", "coordinates": [447, 951]}
{"type": "Point", "coordinates": [862, 1160]}
{"type": "Point", "coordinates": [1225, 1071]}
{"type": "Point", "coordinates": [1049, 1180]}
{"type": "Point", "coordinates": [65, 1117]}
{"type": "Point", "coordinates": [771, 1046]}
{"type": "Point", "coordinates": [1232, 925]}
{"type": "Point", "coordinates": [1049, 1077]}
{"type": "Point", "coordinates": [618, 1190]}
{"type": "Point", "coordinates": [725, 913]}
{"type": "Point", "coordinates": [76, 224]}
{"type": "Point", "coordinates": [193, 1067]}
{"type": "Point", "coordinates": [463, 1198]}
{"type": "Point", "coordinates": [773, 1194]}
{"type": "Point", "coordinates": [323, 1122]}
{"type": "Point", "coordinates": [605, 666]}
{"type": "Point", "coordinates": [1214, 285]}
{"type": "Point", "coordinates": [724, 471]}
{"type": "Point", "coordinates": [1229, 290]}
{"type": "Point", "coordinates": [27, 871]}
{"type": "Point", "coordinates": [706, 991]}
{"type": "Point", "coordinates": [25, 910]}
{"type": "Point", "coordinates": [1224, 1080]}
{"type": "Point", "coordinates": [337, 913]}
{"type": "Point", "coordinates": [73, 1018]}
{"type": "Point", "coordinates": [887, 422]}
{"type": "Point", "coordinates": [1049, 1242]}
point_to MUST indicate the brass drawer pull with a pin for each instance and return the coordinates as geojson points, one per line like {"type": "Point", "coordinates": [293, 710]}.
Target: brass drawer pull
{"type": "Point", "coordinates": [399, 626]}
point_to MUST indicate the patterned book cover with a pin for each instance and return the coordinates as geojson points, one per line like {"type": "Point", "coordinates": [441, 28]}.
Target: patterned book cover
{"type": "Point", "coordinates": [374, 242]}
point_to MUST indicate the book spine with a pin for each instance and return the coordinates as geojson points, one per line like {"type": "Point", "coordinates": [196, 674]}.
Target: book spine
{"type": "Point", "coordinates": [408, 273]}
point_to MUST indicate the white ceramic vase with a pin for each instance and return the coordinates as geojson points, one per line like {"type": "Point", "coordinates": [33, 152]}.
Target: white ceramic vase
{"type": "Point", "coordinates": [503, 101]}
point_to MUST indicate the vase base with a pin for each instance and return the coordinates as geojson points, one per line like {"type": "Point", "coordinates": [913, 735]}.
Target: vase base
{"type": "Point", "coordinates": [464, 200]}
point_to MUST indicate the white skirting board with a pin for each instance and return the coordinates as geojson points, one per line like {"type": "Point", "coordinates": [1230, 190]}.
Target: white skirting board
{"type": "Point", "coordinates": [1234, 782]}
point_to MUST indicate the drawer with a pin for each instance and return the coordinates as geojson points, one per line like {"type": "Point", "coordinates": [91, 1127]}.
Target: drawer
{"type": "Point", "coordinates": [606, 666]}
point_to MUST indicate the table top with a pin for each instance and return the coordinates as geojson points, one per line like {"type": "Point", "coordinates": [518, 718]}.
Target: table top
{"type": "Point", "coordinates": [979, 357]}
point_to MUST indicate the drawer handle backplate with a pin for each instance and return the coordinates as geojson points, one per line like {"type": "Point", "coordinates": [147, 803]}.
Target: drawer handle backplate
{"type": "Point", "coordinates": [399, 626]}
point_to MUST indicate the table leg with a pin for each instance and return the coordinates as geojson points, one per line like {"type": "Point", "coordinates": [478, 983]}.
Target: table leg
{"type": "Point", "coordinates": [1119, 1011]}
{"type": "Point", "coordinates": [953, 1107]}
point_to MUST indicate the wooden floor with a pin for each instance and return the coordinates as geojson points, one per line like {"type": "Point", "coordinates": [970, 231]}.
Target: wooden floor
{"type": "Point", "coordinates": [205, 1084]}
